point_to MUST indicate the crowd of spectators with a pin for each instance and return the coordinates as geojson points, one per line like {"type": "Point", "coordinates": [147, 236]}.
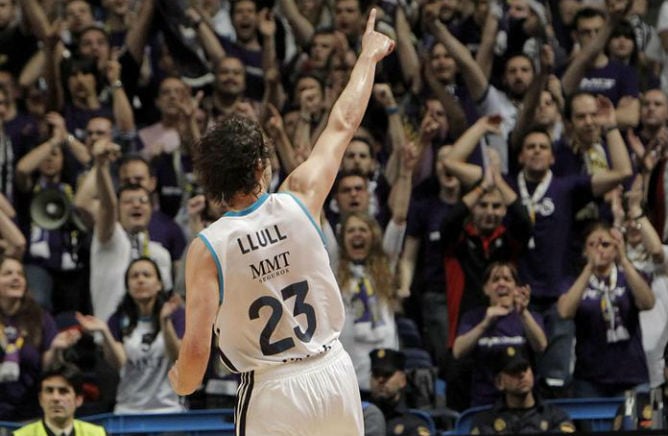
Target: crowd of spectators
{"type": "Point", "coordinates": [507, 187]}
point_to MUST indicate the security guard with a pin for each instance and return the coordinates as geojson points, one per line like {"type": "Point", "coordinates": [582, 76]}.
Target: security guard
{"type": "Point", "coordinates": [61, 392]}
{"type": "Point", "coordinates": [388, 383]}
{"type": "Point", "coordinates": [519, 411]}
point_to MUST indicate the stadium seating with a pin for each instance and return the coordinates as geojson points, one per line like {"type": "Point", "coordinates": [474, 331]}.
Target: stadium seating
{"type": "Point", "coordinates": [594, 414]}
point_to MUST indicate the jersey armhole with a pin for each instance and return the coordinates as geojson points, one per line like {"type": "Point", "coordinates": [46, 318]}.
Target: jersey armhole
{"type": "Point", "coordinates": [308, 215]}
{"type": "Point", "coordinates": [219, 268]}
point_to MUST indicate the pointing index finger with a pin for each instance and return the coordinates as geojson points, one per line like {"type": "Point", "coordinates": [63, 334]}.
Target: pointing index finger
{"type": "Point", "coordinates": [371, 22]}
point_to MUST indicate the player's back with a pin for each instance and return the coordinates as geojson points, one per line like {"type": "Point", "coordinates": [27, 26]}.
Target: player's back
{"type": "Point", "coordinates": [280, 300]}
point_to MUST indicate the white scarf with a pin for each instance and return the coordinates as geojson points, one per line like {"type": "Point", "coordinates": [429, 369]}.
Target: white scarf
{"type": "Point", "coordinates": [530, 202]}
{"type": "Point", "coordinates": [615, 332]}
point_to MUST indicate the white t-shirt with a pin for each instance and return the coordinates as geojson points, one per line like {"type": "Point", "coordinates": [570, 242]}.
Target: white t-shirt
{"type": "Point", "coordinates": [108, 263]}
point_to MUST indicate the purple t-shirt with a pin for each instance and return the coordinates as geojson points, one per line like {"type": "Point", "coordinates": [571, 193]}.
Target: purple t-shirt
{"type": "Point", "coordinates": [615, 80]}
{"type": "Point", "coordinates": [505, 332]}
{"type": "Point", "coordinates": [77, 118]}
{"type": "Point", "coordinates": [18, 399]}
{"type": "Point", "coordinates": [164, 230]}
{"type": "Point", "coordinates": [546, 260]}
{"type": "Point", "coordinates": [425, 216]}
{"type": "Point", "coordinates": [23, 131]}
{"type": "Point", "coordinates": [608, 346]}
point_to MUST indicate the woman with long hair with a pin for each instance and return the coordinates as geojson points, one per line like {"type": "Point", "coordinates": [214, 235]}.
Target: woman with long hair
{"type": "Point", "coordinates": [29, 340]}
{"type": "Point", "coordinates": [605, 301]}
{"type": "Point", "coordinates": [142, 340]}
{"type": "Point", "coordinates": [485, 332]}
{"type": "Point", "coordinates": [366, 276]}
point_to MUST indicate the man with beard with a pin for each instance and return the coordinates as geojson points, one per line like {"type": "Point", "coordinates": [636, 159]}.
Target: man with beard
{"type": "Point", "coordinates": [518, 73]}
{"type": "Point", "coordinates": [388, 385]}
{"type": "Point", "coordinates": [230, 89]}
{"type": "Point", "coordinates": [519, 411]}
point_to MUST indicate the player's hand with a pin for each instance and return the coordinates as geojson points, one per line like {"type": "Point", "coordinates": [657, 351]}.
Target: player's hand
{"type": "Point", "coordinates": [375, 44]}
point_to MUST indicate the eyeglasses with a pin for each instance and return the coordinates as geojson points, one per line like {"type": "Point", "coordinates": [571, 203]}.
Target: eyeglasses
{"type": "Point", "coordinates": [131, 200]}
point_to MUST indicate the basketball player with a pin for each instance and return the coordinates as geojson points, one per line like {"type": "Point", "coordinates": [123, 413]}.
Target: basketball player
{"type": "Point", "coordinates": [261, 277]}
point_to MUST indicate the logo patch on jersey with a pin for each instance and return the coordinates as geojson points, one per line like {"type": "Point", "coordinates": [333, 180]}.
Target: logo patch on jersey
{"type": "Point", "coordinates": [499, 424]}
{"type": "Point", "coordinates": [267, 269]}
{"type": "Point", "coordinates": [398, 429]}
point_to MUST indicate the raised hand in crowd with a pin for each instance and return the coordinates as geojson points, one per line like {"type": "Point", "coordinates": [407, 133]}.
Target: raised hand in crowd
{"type": "Point", "coordinates": [382, 92]}
{"type": "Point", "coordinates": [266, 23]}
{"type": "Point", "coordinates": [521, 298]}
{"type": "Point", "coordinates": [105, 151]}
{"type": "Point", "coordinates": [605, 114]}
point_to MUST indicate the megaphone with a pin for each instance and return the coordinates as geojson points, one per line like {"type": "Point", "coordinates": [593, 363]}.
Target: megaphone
{"type": "Point", "coordinates": [51, 209]}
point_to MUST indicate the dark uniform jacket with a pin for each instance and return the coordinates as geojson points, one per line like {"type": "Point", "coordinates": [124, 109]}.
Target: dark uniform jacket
{"type": "Point", "coordinates": [538, 419]}
{"type": "Point", "coordinates": [400, 421]}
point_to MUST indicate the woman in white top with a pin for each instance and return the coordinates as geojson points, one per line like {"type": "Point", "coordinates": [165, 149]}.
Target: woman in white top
{"type": "Point", "coordinates": [142, 340]}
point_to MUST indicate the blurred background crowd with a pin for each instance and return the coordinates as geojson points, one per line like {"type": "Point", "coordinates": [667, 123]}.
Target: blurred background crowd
{"type": "Point", "coordinates": [507, 188]}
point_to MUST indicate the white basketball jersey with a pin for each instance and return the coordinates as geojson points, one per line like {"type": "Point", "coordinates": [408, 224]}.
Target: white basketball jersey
{"type": "Point", "coordinates": [279, 298]}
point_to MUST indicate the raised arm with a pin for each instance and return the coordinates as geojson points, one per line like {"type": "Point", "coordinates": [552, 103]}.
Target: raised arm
{"type": "Point", "coordinates": [276, 130]}
{"type": "Point", "coordinates": [35, 18]}
{"type": "Point", "coordinates": [584, 58]}
{"type": "Point", "coordinates": [406, 52]}
{"type": "Point", "coordinates": [650, 238]}
{"type": "Point", "coordinates": [12, 241]}
{"type": "Point", "coordinates": [301, 27]}
{"type": "Point", "coordinates": [34, 158]}
{"type": "Point", "coordinates": [123, 115]}
{"type": "Point", "coordinates": [396, 135]}
{"type": "Point", "coordinates": [485, 55]}
{"type": "Point", "coordinates": [466, 143]}
{"type": "Point", "coordinates": [532, 97]}
{"type": "Point", "coordinates": [135, 39]}
{"type": "Point", "coordinates": [621, 168]}
{"type": "Point", "coordinates": [457, 121]}
{"type": "Point", "coordinates": [467, 342]}
{"type": "Point", "coordinates": [474, 77]}
{"type": "Point", "coordinates": [568, 303]}
{"type": "Point", "coordinates": [207, 37]}
{"type": "Point", "coordinates": [314, 178]}
{"type": "Point", "coordinates": [105, 221]}
{"type": "Point", "coordinates": [643, 297]}
{"type": "Point", "coordinates": [113, 350]}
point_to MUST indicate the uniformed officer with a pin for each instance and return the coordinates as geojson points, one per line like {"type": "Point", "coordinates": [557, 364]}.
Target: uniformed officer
{"type": "Point", "coordinates": [520, 410]}
{"type": "Point", "coordinates": [60, 393]}
{"type": "Point", "coordinates": [388, 383]}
